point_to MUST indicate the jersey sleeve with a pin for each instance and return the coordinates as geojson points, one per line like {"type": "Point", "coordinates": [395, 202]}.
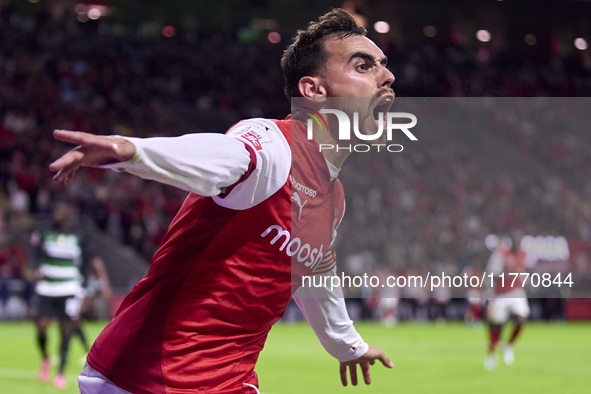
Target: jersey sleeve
{"type": "Point", "coordinates": [239, 169]}
{"type": "Point", "coordinates": [203, 163]}
{"type": "Point", "coordinates": [326, 313]}
{"type": "Point", "coordinates": [271, 162]}
{"type": "Point", "coordinates": [496, 262]}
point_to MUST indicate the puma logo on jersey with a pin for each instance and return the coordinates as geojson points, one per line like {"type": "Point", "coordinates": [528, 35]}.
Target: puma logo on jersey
{"type": "Point", "coordinates": [296, 197]}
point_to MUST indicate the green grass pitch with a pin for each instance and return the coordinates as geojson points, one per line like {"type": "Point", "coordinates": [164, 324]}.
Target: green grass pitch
{"type": "Point", "coordinates": [429, 358]}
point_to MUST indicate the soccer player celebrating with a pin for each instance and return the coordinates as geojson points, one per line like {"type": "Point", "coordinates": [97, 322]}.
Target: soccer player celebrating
{"type": "Point", "coordinates": [509, 300]}
{"type": "Point", "coordinates": [224, 273]}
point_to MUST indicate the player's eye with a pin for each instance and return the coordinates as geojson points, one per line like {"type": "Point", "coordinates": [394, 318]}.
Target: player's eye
{"type": "Point", "coordinates": [364, 66]}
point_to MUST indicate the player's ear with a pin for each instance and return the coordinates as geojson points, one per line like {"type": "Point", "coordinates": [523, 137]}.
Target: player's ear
{"type": "Point", "coordinates": [311, 87]}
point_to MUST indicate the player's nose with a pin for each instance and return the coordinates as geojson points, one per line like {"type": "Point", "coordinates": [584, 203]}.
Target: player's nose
{"type": "Point", "coordinates": [386, 78]}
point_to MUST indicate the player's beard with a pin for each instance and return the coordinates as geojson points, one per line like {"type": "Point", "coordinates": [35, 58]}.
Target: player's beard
{"type": "Point", "coordinates": [368, 119]}
{"type": "Point", "coordinates": [374, 118]}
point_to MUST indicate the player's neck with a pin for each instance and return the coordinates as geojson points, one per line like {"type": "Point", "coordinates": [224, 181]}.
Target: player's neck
{"type": "Point", "coordinates": [334, 156]}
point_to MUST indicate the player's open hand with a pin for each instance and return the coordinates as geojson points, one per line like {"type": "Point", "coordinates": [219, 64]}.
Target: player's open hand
{"type": "Point", "coordinates": [92, 150]}
{"type": "Point", "coordinates": [364, 362]}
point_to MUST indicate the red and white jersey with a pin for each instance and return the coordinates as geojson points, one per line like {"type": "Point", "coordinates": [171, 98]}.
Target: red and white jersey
{"type": "Point", "coordinates": [506, 261]}
{"type": "Point", "coordinates": [227, 269]}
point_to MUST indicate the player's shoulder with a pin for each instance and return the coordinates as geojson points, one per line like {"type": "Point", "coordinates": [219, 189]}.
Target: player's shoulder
{"type": "Point", "coordinates": [262, 130]}
{"type": "Point", "coordinates": [271, 155]}
{"type": "Point", "coordinates": [256, 125]}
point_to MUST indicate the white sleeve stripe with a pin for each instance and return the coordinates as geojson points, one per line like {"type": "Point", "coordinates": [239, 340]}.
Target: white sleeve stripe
{"type": "Point", "coordinates": [343, 214]}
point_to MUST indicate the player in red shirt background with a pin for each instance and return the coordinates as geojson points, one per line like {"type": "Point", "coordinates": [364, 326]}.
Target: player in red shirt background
{"type": "Point", "coordinates": [509, 300]}
{"type": "Point", "coordinates": [264, 203]}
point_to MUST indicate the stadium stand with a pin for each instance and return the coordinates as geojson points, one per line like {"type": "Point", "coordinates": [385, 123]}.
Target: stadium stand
{"type": "Point", "coordinates": [435, 205]}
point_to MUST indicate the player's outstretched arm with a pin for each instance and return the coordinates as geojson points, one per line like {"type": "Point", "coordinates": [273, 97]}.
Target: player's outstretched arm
{"type": "Point", "coordinates": [204, 163]}
{"type": "Point", "coordinates": [92, 151]}
{"type": "Point", "coordinates": [369, 358]}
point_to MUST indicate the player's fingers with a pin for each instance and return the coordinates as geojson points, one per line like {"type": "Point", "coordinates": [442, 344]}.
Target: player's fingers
{"type": "Point", "coordinates": [70, 158]}
{"type": "Point", "coordinates": [353, 373]}
{"type": "Point", "coordinates": [66, 172]}
{"type": "Point", "coordinates": [372, 362]}
{"type": "Point", "coordinates": [57, 176]}
{"type": "Point", "coordinates": [343, 372]}
{"type": "Point", "coordinates": [60, 176]}
{"type": "Point", "coordinates": [70, 177]}
{"type": "Point", "coordinates": [78, 137]}
{"type": "Point", "coordinates": [385, 360]}
{"type": "Point", "coordinates": [365, 371]}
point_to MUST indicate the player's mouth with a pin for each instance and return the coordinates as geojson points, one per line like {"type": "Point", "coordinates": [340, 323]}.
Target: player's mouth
{"type": "Point", "coordinates": [381, 106]}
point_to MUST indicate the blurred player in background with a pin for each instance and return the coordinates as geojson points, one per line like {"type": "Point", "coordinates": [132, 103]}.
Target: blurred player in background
{"type": "Point", "coordinates": [220, 279]}
{"type": "Point", "coordinates": [59, 287]}
{"type": "Point", "coordinates": [509, 300]}
{"type": "Point", "coordinates": [475, 299]}
{"type": "Point", "coordinates": [388, 299]}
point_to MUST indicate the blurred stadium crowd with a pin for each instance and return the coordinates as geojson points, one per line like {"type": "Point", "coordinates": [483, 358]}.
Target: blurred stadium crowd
{"type": "Point", "coordinates": [408, 212]}
{"type": "Point", "coordinates": [439, 202]}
